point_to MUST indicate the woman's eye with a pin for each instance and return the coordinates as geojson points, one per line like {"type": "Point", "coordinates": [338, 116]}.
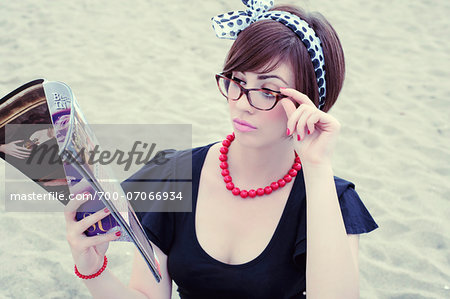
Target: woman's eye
{"type": "Point", "coordinates": [268, 95]}
{"type": "Point", "coordinates": [242, 82]}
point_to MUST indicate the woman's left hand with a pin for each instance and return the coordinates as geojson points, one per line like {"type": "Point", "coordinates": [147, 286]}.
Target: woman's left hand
{"type": "Point", "coordinates": [314, 132]}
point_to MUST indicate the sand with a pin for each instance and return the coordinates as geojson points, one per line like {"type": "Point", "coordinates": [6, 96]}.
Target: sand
{"type": "Point", "coordinates": [153, 61]}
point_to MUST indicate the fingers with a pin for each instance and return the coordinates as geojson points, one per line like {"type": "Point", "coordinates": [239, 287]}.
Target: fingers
{"type": "Point", "coordinates": [306, 123]}
{"type": "Point", "coordinates": [80, 242]}
{"type": "Point", "coordinates": [310, 123]}
{"type": "Point", "coordinates": [101, 239]}
{"type": "Point", "coordinates": [71, 208]}
{"type": "Point", "coordinates": [19, 155]}
{"type": "Point", "coordinates": [289, 106]}
{"type": "Point", "coordinates": [22, 152]}
{"type": "Point", "coordinates": [303, 121]}
{"type": "Point", "coordinates": [86, 249]}
{"type": "Point", "coordinates": [92, 219]}
{"type": "Point", "coordinates": [81, 188]}
{"type": "Point", "coordinates": [75, 230]}
{"type": "Point", "coordinates": [16, 141]}
{"type": "Point", "coordinates": [297, 96]}
{"type": "Point", "coordinates": [300, 119]}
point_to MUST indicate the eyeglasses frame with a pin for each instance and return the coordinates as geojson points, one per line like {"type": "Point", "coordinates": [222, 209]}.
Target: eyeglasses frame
{"type": "Point", "coordinates": [278, 95]}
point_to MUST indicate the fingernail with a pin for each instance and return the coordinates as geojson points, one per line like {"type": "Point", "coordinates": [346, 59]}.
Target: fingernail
{"type": "Point", "coordinates": [288, 132]}
{"type": "Point", "coordinates": [118, 233]}
{"type": "Point", "coordinates": [282, 88]}
{"type": "Point", "coordinates": [106, 210]}
{"type": "Point", "coordinates": [298, 137]}
{"type": "Point", "coordinates": [309, 132]}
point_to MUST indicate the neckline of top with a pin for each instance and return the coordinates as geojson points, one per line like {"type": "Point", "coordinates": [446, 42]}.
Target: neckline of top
{"type": "Point", "coordinates": [196, 174]}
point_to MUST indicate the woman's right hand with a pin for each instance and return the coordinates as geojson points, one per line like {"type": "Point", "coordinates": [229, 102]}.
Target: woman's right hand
{"type": "Point", "coordinates": [87, 252]}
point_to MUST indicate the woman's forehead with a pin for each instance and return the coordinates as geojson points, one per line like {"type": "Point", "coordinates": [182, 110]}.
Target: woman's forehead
{"type": "Point", "coordinates": [282, 70]}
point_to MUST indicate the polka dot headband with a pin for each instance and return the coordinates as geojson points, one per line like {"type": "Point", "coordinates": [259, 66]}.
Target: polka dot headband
{"type": "Point", "coordinates": [230, 24]}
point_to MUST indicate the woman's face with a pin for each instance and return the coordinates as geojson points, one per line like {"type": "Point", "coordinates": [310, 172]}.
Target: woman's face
{"type": "Point", "coordinates": [255, 127]}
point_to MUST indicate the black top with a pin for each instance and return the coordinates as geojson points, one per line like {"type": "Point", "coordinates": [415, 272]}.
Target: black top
{"type": "Point", "coordinates": [278, 272]}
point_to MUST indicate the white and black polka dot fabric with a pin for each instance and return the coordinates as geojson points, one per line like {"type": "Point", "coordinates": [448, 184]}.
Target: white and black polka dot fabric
{"type": "Point", "coordinates": [230, 24]}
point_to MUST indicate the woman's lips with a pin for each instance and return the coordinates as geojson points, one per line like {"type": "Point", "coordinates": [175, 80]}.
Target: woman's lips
{"type": "Point", "coordinates": [242, 125]}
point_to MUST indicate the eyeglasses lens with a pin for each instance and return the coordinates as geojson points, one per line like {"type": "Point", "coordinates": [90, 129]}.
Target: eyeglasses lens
{"type": "Point", "coordinates": [260, 99]}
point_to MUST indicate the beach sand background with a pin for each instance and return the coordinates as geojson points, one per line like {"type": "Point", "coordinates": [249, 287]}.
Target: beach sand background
{"type": "Point", "coordinates": [141, 62]}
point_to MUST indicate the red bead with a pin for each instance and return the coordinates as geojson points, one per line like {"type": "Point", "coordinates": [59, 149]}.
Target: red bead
{"type": "Point", "coordinates": [223, 158]}
{"type": "Point", "coordinates": [292, 172]}
{"type": "Point", "coordinates": [252, 193]}
{"type": "Point", "coordinates": [236, 191]}
{"type": "Point", "coordinates": [230, 137]}
{"type": "Point", "coordinates": [244, 193]}
{"type": "Point", "coordinates": [224, 165]}
{"type": "Point", "coordinates": [225, 172]}
{"type": "Point", "coordinates": [227, 179]}
{"type": "Point", "coordinates": [226, 143]}
{"type": "Point", "coordinates": [224, 150]}
{"type": "Point", "coordinates": [297, 159]}
{"type": "Point", "coordinates": [230, 186]}
{"type": "Point", "coordinates": [268, 190]}
{"type": "Point", "coordinates": [287, 178]}
{"type": "Point", "coordinates": [274, 186]}
{"type": "Point", "coordinates": [281, 183]}
{"type": "Point", "coordinates": [260, 191]}
{"type": "Point", "coordinates": [297, 166]}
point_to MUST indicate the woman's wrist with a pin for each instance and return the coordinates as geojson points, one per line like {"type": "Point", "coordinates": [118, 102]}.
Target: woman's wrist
{"type": "Point", "coordinates": [315, 174]}
{"type": "Point", "coordinates": [316, 164]}
{"type": "Point", "coordinates": [95, 274]}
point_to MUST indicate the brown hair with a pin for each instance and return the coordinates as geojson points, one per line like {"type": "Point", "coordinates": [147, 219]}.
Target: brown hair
{"type": "Point", "coordinates": [270, 41]}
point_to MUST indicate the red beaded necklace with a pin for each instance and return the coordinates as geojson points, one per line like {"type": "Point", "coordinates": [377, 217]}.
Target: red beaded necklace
{"type": "Point", "coordinates": [260, 191]}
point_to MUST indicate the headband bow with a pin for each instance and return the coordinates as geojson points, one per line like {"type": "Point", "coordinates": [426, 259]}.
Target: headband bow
{"type": "Point", "coordinates": [230, 24]}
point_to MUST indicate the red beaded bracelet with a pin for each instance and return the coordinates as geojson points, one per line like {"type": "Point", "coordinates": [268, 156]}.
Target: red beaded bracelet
{"type": "Point", "coordinates": [105, 262]}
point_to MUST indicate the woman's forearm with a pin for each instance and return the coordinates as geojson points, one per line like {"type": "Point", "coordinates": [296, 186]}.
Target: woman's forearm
{"type": "Point", "coordinates": [330, 268]}
{"type": "Point", "coordinates": [107, 285]}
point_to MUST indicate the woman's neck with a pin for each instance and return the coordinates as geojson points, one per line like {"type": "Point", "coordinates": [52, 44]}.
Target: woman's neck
{"type": "Point", "coordinates": [252, 167]}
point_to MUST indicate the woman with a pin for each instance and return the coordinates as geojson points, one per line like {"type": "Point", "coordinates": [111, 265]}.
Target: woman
{"type": "Point", "coordinates": [282, 74]}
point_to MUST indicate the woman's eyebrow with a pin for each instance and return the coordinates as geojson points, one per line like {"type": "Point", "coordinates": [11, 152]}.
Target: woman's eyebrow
{"type": "Point", "coordinates": [262, 77]}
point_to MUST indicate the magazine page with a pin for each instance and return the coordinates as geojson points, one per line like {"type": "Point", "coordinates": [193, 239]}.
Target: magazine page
{"type": "Point", "coordinates": [26, 130]}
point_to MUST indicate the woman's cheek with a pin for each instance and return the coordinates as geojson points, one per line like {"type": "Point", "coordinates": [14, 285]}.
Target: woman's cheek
{"type": "Point", "coordinates": [277, 119]}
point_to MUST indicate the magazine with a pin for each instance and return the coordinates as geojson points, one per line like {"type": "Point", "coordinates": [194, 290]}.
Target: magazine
{"type": "Point", "coordinates": [44, 116]}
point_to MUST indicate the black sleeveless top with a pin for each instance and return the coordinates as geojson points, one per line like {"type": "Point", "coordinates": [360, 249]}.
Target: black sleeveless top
{"type": "Point", "coordinates": [278, 272]}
